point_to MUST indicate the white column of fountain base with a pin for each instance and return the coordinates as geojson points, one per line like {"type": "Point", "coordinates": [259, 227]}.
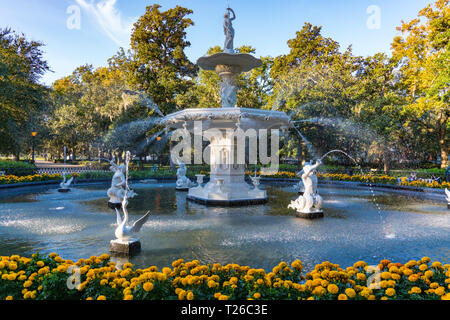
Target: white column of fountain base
{"type": "Point", "coordinates": [227, 185]}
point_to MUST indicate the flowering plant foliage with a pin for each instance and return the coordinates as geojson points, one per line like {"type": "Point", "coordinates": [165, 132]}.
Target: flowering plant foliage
{"type": "Point", "coordinates": [46, 277]}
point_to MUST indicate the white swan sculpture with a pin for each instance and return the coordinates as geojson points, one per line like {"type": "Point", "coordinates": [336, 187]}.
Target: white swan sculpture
{"type": "Point", "coordinates": [123, 231]}
{"type": "Point", "coordinates": [65, 184]}
{"type": "Point", "coordinates": [447, 192]}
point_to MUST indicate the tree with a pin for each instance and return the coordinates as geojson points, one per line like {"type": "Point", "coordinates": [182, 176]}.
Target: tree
{"type": "Point", "coordinates": [157, 62]}
{"type": "Point", "coordinates": [423, 59]}
{"type": "Point", "coordinates": [316, 84]}
{"type": "Point", "coordinates": [22, 98]}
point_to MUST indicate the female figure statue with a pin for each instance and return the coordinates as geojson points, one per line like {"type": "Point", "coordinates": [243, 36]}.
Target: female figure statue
{"type": "Point", "coordinates": [229, 31]}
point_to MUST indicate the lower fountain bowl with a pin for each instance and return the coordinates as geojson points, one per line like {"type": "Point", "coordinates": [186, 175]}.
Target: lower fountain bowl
{"type": "Point", "coordinates": [226, 203]}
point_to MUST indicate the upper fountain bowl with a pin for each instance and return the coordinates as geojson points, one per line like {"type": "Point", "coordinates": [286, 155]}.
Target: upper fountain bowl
{"type": "Point", "coordinates": [241, 61]}
{"type": "Point", "coordinates": [227, 118]}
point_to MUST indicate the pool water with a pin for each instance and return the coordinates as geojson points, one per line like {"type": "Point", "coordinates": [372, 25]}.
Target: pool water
{"type": "Point", "coordinates": [359, 224]}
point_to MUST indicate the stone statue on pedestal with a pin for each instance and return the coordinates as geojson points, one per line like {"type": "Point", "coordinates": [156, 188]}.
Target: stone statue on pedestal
{"type": "Point", "coordinates": [117, 191]}
{"type": "Point", "coordinates": [183, 182]}
{"type": "Point", "coordinates": [310, 203]}
{"type": "Point", "coordinates": [229, 31]}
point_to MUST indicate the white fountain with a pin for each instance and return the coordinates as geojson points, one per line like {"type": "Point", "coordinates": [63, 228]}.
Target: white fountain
{"type": "Point", "coordinates": [227, 185]}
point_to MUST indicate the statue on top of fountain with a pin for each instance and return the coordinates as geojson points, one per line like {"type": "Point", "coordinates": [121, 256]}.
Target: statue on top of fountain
{"type": "Point", "coordinates": [117, 191]}
{"type": "Point", "coordinates": [229, 31]}
{"type": "Point", "coordinates": [310, 202]}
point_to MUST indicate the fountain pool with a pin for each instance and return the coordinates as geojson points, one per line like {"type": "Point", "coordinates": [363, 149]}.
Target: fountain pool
{"type": "Point", "coordinates": [79, 224]}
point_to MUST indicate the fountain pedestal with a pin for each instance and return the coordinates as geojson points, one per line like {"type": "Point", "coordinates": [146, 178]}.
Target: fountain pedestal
{"type": "Point", "coordinates": [227, 184]}
{"type": "Point", "coordinates": [125, 248]}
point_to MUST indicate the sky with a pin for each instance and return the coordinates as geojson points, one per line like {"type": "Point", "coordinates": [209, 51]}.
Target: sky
{"type": "Point", "coordinates": [78, 32]}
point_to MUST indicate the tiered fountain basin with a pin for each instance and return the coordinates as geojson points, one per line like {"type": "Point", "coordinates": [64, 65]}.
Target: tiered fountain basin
{"type": "Point", "coordinates": [227, 185]}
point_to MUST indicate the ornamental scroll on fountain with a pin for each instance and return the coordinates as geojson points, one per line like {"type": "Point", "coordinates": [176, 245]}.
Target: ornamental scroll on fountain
{"type": "Point", "coordinates": [227, 185]}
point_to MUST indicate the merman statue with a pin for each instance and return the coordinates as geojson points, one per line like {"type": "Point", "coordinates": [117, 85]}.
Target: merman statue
{"type": "Point", "coordinates": [183, 182]}
{"type": "Point", "coordinates": [309, 204]}
{"type": "Point", "coordinates": [117, 191]}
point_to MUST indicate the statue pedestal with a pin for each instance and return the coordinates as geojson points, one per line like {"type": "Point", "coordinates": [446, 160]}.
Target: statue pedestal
{"type": "Point", "coordinates": [125, 248]}
{"type": "Point", "coordinates": [310, 215]}
{"type": "Point", "coordinates": [113, 205]}
{"type": "Point", "coordinates": [63, 190]}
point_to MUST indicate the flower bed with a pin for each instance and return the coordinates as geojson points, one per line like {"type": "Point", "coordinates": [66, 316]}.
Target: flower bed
{"type": "Point", "coordinates": [383, 180]}
{"type": "Point", "coordinates": [46, 277]}
{"type": "Point", "coordinates": [11, 179]}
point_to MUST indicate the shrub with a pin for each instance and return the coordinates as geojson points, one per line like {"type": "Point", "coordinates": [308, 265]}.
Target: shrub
{"type": "Point", "coordinates": [46, 277]}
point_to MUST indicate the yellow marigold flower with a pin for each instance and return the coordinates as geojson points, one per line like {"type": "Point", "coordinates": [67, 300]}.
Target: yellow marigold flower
{"type": "Point", "coordinates": [361, 276]}
{"type": "Point", "coordinates": [428, 273]}
{"type": "Point", "coordinates": [342, 297]}
{"type": "Point", "coordinates": [27, 284]}
{"type": "Point", "coordinates": [434, 285]}
{"type": "Point", "coordinates": [181, 295]}
{"type": "Point", "coordinates": [148, 286]}
{"type": "Point", "coordinates": [13, 266]}
{"type": "Point", "coordinates": [426, 259]}
{"type": "Point", "coordinates": [386, 275]}
{"type": "Point", "coordinates": [413, 277]}
{"type": "Point", "coordinates": [9, 298]}
{"type": "Point", "coordinates": [350, 292]}
{"type": "Point", "coordinates": [224, 297]}
{"type": "Point", "coordinates": [40, 264]}
{"type": "Point", "coordinates": [333, 289]}
{"type": "Point", "coordinates": [190, 295]}
{"type": "Point", "coordinates": [257, 295]}
{"type": "Point", "coordinates": [423, 267]}
{"type": "Point", "coordinates": [217, 295]}
{"type": "Point", "coordinates": [415, 290]}
{"type": "Point", "coordinates": [128, 297]}
{"type": "Point", "coordinates": [127, 265]}
{"type": "Point", "coordinates": [440, 291]}
{"type": "Point", "coordinates": [390, 292]}
{"type": "Point", "coordinates": [101, 297]}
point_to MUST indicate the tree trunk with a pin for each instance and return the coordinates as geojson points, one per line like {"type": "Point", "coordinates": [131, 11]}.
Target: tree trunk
{"type": "Point", "coordinates": [444, 156]}
{"type": "Point", "coordinates": [386, 161]}
{"type": "Point", "coordinates": [17, 156]}
{"type": "Point", "coordinates": [141, 163]}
